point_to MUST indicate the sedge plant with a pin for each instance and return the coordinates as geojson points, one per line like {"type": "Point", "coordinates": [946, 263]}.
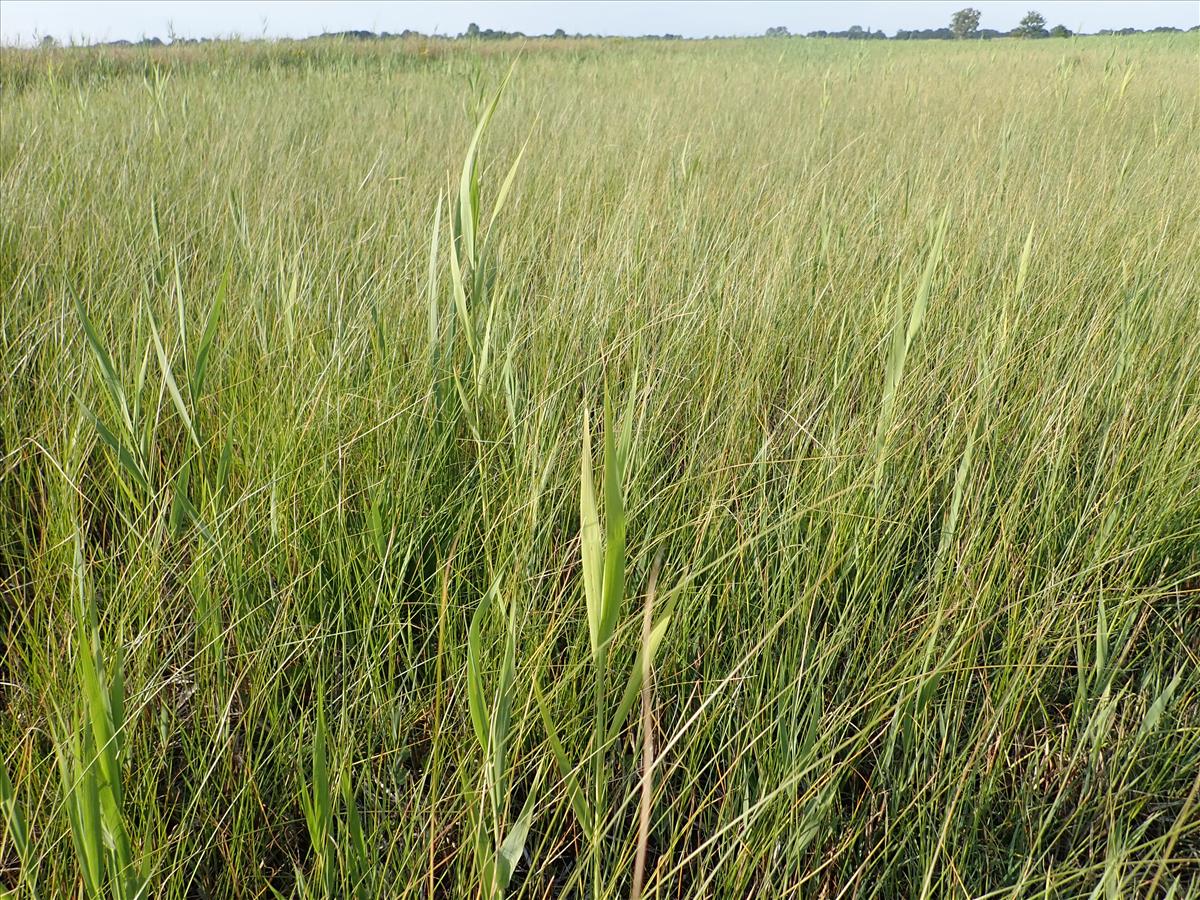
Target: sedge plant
{"type": "Point", "coordinates": [603, 559]}
{"type": "Point", "coordinates": [91, 756]}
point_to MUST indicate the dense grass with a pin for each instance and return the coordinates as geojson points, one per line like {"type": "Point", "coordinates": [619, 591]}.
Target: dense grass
{"type": "Point", "coordinates": [901, 346]}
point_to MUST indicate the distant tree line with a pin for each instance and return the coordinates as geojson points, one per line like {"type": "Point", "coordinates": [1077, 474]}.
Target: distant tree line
{"type": "Point", "coordinates": [964, 25]}
{"type": "Point", "coordinates": [473, 32]}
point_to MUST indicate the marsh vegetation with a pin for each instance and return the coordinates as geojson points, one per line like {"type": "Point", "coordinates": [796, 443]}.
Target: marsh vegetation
{"type": "Point", "coordinates": [720, 469]}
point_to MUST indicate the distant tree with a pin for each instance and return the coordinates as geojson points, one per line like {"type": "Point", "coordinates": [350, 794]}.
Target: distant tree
{"type": "Point", "coordinates": [1060, 31]}
{"type": "Point", "coordinates": [48, 42]}
{"type": "Point", "coordinates": [472, 30]}
{"type": "Point", "coordinates": [559, 33]}
{"type": "Point", "coordinates": [855, 32]}
{"type": "Point", "coordinates": [1033, 25]}
{"type": "Point", "coordinates": [778, 31]}
{"type": "Point", "coordinates": [965, 22]}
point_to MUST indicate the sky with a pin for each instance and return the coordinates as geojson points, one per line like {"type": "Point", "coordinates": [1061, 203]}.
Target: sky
{"type": "Point", "coordinates": [24, 21]}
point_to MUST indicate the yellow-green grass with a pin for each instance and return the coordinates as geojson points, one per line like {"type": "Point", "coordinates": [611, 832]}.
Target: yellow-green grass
{"type": "Point", "coordinates": [889, 355]}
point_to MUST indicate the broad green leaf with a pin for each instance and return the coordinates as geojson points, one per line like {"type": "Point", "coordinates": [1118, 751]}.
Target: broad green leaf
{"type": "Point", "coordinates": [950, 524]}
{"type": "Point", "coordinates": [921, 303]}
{"type": "Point", "coordinates": [18, 830]}
{"type": "Point", "coordinates": [513, 845]}
{"type": "Point", "coordinates": [432, 284]}
{"type": "Point", "coordinates": [579, 804]}
{"type": "Point", "coordinates": [614, 521]}
{"type": "Point", "coordinates": [505, 188]}
{"type": "Point", "coordinates": [476, 704]}
{"type": "Point", "coordinates": [590, 544]}
{"type": "Point", "coordinates": [1154, 713]}
{"type": "Point", "coordinates": [169, 379]}
{"type": "Point", "coordinates": [460, 299]}
{"type": "Point", "coordinates": [636, 676]}
{"type": "Point", "coordinates": [107, 372]}
{"type": "Point", "coordinates": [200, 371]}
{"type": "Point", "coordinates": [1023, 265]}
{"type": "Point", "coordinates": [126, 459]}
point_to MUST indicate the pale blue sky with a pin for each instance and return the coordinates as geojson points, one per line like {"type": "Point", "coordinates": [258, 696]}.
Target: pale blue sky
{"type": "Point", "coordinates": [106, 20]}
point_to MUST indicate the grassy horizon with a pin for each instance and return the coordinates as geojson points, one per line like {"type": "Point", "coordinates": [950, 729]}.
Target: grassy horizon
{"type": "Point", "coordinates": [750, 468]}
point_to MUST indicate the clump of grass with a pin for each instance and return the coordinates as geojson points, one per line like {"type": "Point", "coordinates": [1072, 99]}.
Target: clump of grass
{"type": "Point", "coordinates": [343, 863]}
{"type": "Point", "coordinates": [476, 293]}
{"type": "Point", "coordinates": [604, 562]}
{"type": "Point", "coordinates": [90, 755]}
{"type": "Point", "coordinates": [17, 831]}
{"type": "Point", "coordinates": [499, 844]}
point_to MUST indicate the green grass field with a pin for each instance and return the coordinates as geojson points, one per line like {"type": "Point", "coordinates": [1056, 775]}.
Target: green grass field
{"type": "Point", "coordinates": [753, 469]}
